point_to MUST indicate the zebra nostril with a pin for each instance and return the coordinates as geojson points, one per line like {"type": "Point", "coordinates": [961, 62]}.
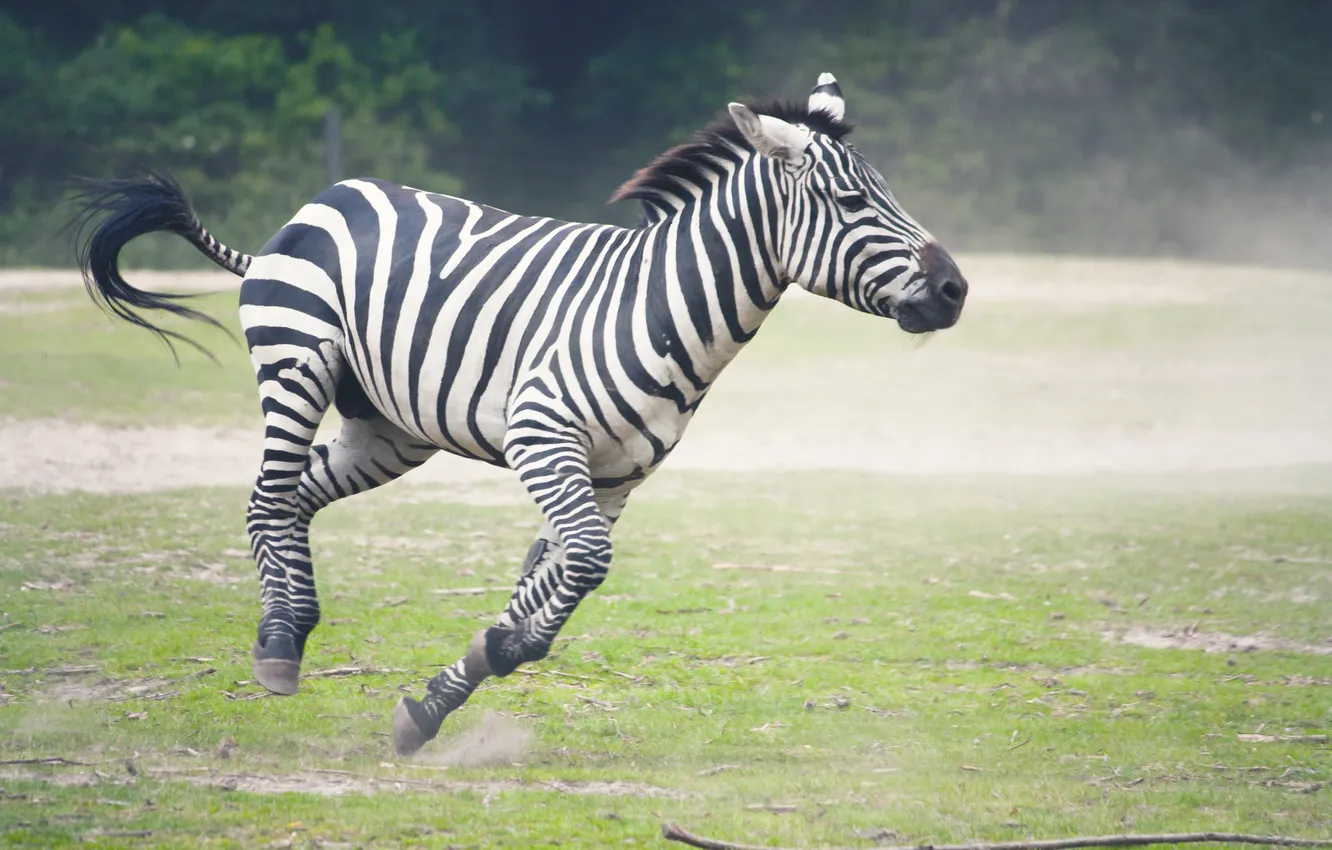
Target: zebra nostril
{"type": "Point", "coordinates": [951, 290]}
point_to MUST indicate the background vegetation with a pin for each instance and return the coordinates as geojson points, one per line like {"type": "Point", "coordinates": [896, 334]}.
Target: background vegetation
{"type": "Point", "coordinates": [1183, 127]}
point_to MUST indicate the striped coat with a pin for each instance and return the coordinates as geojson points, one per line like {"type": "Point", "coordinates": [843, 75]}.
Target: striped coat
{"type": "Point", "coordinates": [574, 354]}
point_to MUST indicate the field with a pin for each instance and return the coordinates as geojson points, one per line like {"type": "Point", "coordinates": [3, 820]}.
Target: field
{"type": "Point", "coordinates": [1065, 569]}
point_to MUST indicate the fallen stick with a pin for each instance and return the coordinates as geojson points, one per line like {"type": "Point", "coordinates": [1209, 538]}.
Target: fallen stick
{"type": "Point", "coordinates": [469, 591]}
{"type": "Point", "coordinates": [351, 671]}
{"type": "Point", "coordinates": [1282, 739]}
{"type": "Point", "coordinates": [783, 568]}
{"type": "Point", "coordinates": [173, 771]}
{"type": "Point", "coordinates": [671, 832]}
{"type": "Point", "coordinates": [527, 672]}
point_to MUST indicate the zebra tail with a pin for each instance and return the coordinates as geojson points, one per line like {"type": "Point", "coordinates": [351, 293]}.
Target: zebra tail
{"type": "Point", "coordinates": [129, 209]}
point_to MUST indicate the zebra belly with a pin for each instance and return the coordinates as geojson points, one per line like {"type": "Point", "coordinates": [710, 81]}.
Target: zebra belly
{"type": "Point", "coordinates": [472, 422]}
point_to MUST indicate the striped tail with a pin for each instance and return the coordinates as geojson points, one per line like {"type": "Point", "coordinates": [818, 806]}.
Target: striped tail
{"type": "Point", "coordinates": [150, 204]}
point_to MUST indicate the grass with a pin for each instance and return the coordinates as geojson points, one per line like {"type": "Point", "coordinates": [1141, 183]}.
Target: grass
{"type": "Point", "coordinates": [881, 696]}
{"type": "Point", "coordinates": [941, 657]}
{"type": "Point", "coordinates": [62, 357]}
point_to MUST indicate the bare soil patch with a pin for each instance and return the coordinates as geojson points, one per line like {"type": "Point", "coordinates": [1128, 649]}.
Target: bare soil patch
{"type": "Point", "coordinates": [330, 783]}
{"type": "Point", "coordinates": [1187, 638]}
{"type": "Point", "coordinates": [85, 684]}
{"type": "Point", "coordinates": [336, 784]}
{"type": "Point", "coordinates": [55, 455]}
{"type": "Point", "coordinates": [105, 690]}
{"type": "Point", "coordinates": [1241, 399]}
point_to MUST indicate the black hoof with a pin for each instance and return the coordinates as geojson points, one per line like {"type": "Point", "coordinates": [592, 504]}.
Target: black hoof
{"type": "Point", "coordinates": [277, 665]}
{"type": "Point", "coordinates": [412, 727]}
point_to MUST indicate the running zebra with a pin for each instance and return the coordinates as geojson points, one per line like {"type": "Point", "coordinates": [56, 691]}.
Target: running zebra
{"type": "Point", "coordinates": [573, 354]}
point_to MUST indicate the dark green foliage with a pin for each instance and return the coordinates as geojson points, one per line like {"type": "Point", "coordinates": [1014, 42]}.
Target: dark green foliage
{"type": "Point", "coordinates": [1141, 126]}
{"type": "Point", "coordinates": [237, 118]}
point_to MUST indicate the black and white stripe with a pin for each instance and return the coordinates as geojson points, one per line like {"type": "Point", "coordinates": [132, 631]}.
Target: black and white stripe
{"type": "Point", "coordinates": [575, 354]}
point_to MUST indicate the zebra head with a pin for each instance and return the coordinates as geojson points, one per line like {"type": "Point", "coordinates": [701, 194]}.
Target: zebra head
{"type": "Point", "coordinates": [844, 235]}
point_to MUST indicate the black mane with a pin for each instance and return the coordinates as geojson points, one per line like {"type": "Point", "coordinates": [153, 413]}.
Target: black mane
{"type": "Point", "coordinates": [688, 162]}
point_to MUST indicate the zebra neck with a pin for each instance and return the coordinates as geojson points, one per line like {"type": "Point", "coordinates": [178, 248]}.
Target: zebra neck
{"type": "Point", "coordinates": [712, 278]}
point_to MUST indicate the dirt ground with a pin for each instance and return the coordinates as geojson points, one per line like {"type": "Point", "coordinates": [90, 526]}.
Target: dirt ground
{"type": "Point", "coordinates": [926, 408]}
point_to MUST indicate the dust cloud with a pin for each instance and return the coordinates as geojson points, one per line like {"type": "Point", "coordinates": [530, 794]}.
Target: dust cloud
{"type": "Point", "coordinates": [1047, 139]}
{"type": "Point", "coordinates": [495, 739]}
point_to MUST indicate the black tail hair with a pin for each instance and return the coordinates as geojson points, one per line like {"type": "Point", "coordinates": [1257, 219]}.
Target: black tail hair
{"type": "Point", "coordinates": [149, 204]}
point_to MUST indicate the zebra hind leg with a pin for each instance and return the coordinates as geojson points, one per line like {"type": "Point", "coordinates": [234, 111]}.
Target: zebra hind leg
{"type": "Point", "coordinates": [295, 391]}
{"type": "Point", "coordinates": [368, 452]}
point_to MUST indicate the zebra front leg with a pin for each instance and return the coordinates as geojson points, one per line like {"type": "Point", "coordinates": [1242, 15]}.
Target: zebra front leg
{"type": "Point", "coordinates": [414, 722]}
{"type": "Point", "coordinates": [542, 568]}
{"type": "Point", "coordinates": [527, 628]}
{"type": "Point", "coordinates": [555, 579]}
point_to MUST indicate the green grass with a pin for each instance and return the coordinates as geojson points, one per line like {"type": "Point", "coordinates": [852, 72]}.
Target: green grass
{"type": "Point", "coordinates": [675, 667]}
{"type": "Point", "coordinates": [943, 658]}
{"type": "Point", "coordinates": [60, 356]}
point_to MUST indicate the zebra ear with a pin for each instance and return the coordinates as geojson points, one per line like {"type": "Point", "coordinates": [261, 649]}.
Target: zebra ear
{"type": "Point", "coordinates": [827, 97]}
{"type": "Point", "coordinates": [770, 136]}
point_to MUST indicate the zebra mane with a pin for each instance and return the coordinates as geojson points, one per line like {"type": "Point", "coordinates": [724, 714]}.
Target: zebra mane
{"type": "Point", "coordinates": [689, 162]}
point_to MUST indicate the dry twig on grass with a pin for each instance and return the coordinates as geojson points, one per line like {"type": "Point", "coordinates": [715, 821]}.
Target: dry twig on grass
{"type": "Point", "coordinates": [351, 671]}
{"type": "Point", "coordinates": [469, 591]}
{"type": "Point", "coordinates": [775, 808]}
{"type": "Point", "coordinates": [783, 568]}
{"type": "Point", "coordinates": [671, 832]}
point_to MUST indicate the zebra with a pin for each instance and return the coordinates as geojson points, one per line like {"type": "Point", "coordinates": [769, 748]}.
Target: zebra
{"type": "Point", "coordinates": [573, 354]}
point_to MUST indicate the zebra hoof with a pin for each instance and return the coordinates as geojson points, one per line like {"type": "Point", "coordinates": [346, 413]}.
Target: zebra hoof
{"type": "Point", "coordinates": [274, 668]}
{"type": "Point", "coordinates": [412, 727]}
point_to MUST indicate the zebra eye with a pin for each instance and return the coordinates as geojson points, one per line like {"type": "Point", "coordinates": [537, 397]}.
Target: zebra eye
{"type": "Point", "coordinates": [853, 201]}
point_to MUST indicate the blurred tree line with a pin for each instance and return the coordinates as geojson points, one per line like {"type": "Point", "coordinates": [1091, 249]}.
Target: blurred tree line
{"type": "Point", "coordinates": [1186, 127]}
